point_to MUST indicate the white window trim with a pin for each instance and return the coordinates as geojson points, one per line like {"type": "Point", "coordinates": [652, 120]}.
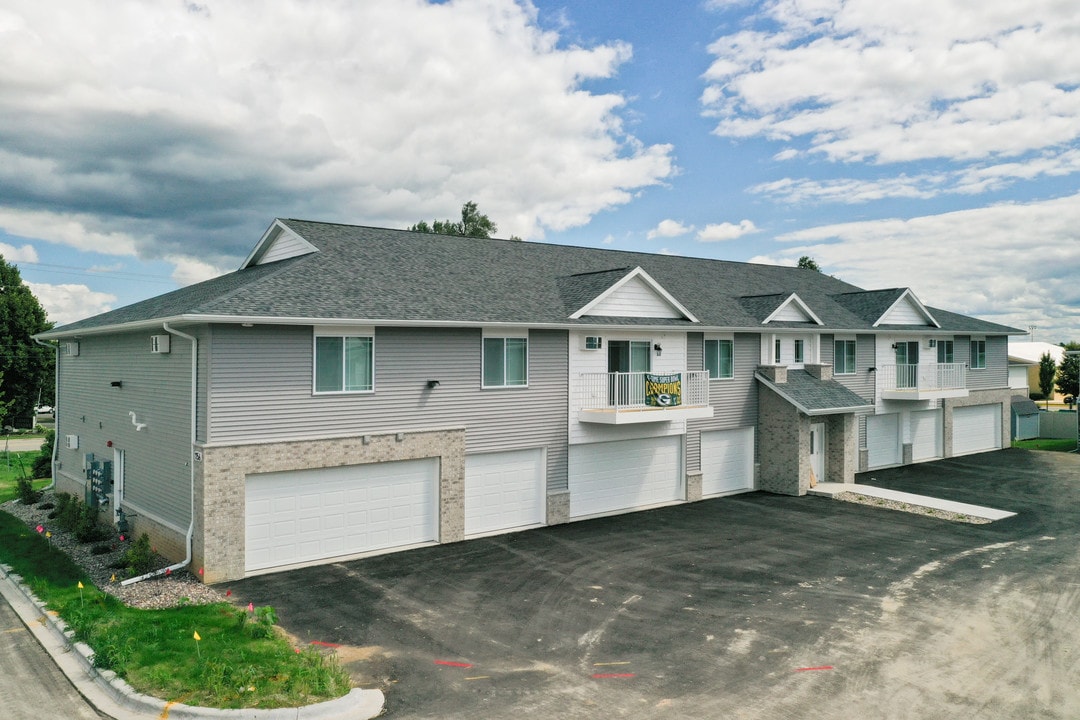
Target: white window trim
{"type": "Point", "coordinates": [845, 339]}
{"type": "Point", "coordinates": [717, 337]}
{"type": "Point", "coordinates": [494, 334]}
{"type": "Point", "coordinates": [344, 331]}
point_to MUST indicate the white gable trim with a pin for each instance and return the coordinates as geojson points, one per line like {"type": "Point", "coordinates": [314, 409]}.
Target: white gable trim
{"type": "Point", "coordinates": [649, 281]}
{"type": "Point", "coordinates": [278, 243]}
{"type": "Point", "coordinates": [908, 297]}
{"type": "Point", "coordinates": [796, 302]}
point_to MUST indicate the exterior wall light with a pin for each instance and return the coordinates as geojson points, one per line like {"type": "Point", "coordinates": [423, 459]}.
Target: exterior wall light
{"type": "Point", "coordinates": [658, 349]}
{"type": "Point", "coordinates": [432, 384]}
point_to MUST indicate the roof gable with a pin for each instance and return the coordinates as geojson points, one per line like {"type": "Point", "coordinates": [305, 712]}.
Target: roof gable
{"type": "Point", "coordinates": [907, 310]}
{"type": "Point", "coordinates": [635, 294]}
{"type": "Point", "coordinates": [279, 242]}
{"type": "Point", "coordinates": [780, 308]}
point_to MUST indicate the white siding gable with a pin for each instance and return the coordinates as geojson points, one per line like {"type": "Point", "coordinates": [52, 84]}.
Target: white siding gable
{"type": "Point", "coordinates": [907, 310]}
{"type": "Point", "coordinates": [793, 310]}
{"type": "Point", "coordinates": [278, 243]}
{"type": "Point", "coordinates": [635, 295]}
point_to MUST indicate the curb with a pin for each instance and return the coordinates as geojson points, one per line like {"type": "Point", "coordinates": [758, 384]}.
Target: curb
{"type": "Point", "coordinates": [112, 696]}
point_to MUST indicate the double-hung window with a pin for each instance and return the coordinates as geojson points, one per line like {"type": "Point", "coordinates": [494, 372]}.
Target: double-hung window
{"type": "Point", "coordinates": [344, 363]}
{"type": "Point", "coordinates": [978, 354]}
{"type": "Point", "coordinates": [945, 351]}
{"type": "Point", "coordinates": [844, 357]}
{"type": "Point", "coordinates": [506, 362]}
{"type": "Point", "coordinates": [720, 359]}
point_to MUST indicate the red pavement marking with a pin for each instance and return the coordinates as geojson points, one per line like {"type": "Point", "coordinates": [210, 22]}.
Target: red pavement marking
{"type": "Point", "coordinates": [608, 676]}
{"type": "Point", "coordinates": [451, 663]}
{"type": "Point", "coordinates": [819, 667]}
{"type": "Point", "coordinates": [325, 644]}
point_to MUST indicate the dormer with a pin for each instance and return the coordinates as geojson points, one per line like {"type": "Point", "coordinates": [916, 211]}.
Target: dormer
{"type": "Point", "coordinates": [622, 293]}
{"type": "Point", "coordinates": [279, 242]}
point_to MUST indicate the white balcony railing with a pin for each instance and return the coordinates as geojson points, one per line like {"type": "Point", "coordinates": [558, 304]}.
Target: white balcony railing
{"type": "Point", "coordinates": [642, 397]}
{"type": "Point", "coordinates": [923, 381]}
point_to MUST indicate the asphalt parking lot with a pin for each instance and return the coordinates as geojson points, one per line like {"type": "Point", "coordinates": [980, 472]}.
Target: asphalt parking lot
{"type": "Point", "coordinates": [752, 606]}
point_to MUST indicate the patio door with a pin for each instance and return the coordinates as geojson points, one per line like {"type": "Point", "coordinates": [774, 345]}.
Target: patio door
{"type": "Point", "coordinates": [627, 356]}
{"type": "Point", "coordinates": [907, 364]}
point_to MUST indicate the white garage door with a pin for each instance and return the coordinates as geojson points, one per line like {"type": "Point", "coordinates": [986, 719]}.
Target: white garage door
{"type": "Point", "coordinates": [606, 477]}
{"type": "Point", "coordinates": [307, 515]}
{"type": "Point", "coordinates": [883, 440]}
{"type": "Point", "coordinates": [504, 490]}
{"type": "Point", "coordinates": [926, 435]}
{"type": "Point", "coordinates": [976, 428]}
{"type": "Point", "coordinates": [727, 461]}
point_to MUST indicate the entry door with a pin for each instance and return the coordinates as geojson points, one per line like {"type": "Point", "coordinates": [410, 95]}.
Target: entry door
{"type": "Point", "coordinates": [627, 356]}
{"type": "Point", "coordinates": [817, 451]}
{"type": "Point", "coordinates": [907, 361]}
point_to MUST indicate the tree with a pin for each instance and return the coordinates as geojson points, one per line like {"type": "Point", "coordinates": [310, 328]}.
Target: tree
{"type": "Point", "coordinates": [473, 224]}
{"type": "Point", "coordinates": [1067, 383]}
{"type": "Point", "coordinates": [808, 263]}
{"type": "Point", "coordinates": [1047, 371]}
{"type": "Point", "coordinates": [26, 368]}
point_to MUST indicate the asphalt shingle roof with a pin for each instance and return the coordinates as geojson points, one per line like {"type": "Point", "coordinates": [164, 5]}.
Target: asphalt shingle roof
{"type": "Point", "coordinates": [806, 391]}
{"type": "Point", "coordinates": [374, 274]}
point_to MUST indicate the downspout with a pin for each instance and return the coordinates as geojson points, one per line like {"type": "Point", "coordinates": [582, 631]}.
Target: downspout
{"type": "Point", "coordinates": [191, 460]}
{"type": "Point", "coordinates": [56, 415]}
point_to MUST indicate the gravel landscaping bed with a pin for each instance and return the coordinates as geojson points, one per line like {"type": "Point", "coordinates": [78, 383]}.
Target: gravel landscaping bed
{"type": "Point", "coordinates": [908, 507]}
{"type": "Point", "coordinates": [181, 587]}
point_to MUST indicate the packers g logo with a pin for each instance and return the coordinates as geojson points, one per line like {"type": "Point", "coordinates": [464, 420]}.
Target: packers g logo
{"type": "Point", "coordinates": [664, 399]}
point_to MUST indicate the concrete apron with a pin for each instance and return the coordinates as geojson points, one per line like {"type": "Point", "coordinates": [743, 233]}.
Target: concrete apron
{"type": "Point", "coordinates": [834, 489]}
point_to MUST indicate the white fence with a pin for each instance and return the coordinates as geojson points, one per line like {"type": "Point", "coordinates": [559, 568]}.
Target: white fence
{"type": "Point", "coordinates": [924, 376]}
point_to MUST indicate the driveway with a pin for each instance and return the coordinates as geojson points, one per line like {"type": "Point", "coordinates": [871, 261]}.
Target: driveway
{"type": "Point", "coordinates": [751, 606]}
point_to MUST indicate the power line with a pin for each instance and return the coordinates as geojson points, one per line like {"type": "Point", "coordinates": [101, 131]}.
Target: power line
{"type": "Point", "coordinates": [119, 274]}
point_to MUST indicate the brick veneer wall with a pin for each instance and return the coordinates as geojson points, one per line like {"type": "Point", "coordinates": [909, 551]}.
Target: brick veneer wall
{"type": "Point", "coordinates": [220, 485]}
{"type": "Point", "coordinates": [783, 445]}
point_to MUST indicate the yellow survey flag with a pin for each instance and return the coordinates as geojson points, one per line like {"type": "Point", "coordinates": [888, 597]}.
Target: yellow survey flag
{"type": "Point", "coordinates": [80, 584]}
{"type": "Point", "coordinates": [197, 635]}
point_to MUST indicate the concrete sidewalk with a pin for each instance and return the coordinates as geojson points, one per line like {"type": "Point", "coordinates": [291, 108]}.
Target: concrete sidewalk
{"type": "Point", "coordinates": [834, 489]}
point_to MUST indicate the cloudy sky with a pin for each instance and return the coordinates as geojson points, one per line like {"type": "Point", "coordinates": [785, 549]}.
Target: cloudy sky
{"type": "Point", "coordinates": [931, 144]}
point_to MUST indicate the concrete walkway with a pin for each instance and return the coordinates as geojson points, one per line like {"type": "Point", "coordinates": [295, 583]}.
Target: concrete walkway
{"type": "Point", "coordinates": [834, 489]}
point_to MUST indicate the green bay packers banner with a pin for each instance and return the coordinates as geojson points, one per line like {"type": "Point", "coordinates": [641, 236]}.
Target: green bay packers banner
{"type": "Point", "coordinates": [663, 390]}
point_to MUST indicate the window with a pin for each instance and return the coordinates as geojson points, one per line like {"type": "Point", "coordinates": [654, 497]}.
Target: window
{"type": "Point", "coordinates": [506, 362]}
{"type": "Point", "coordinates": [798, 351]}
{"type": "Point", "coordinates": [978, 354]}
{"type": "Point", "coordinates": [720, 359]}
{"type": "Point", "coordinates": [945, 351]}
{"type": "Point", "coordinates": [844, 357]}
{"type": "Point", "coordinates": [776, 352]}
{"type": "Point", "coordinates": [344, 364]}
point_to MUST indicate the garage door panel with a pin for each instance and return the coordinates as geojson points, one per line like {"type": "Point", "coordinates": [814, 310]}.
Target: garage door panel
{"type": "Point", "coordinates": [727, 461]}
{"type": "Point", "coordinates": [976, 428]}
{"type": "Point", "coordinates": [926, 435]}
{"type": "Point", "coordinates": [309, 515]}
{"type": "Point", "coordinates": [608, 477]}
{"type": "Point", "coordinates": [883, 440]}
{"type": "Point", "coordinates": [504, 490]}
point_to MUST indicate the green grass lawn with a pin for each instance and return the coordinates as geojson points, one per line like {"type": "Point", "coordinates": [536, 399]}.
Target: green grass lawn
{"type": "Point", "coordinates": [13, 466]}
{"type": "Point", "coordinates": [240, 660]}
{"type": "Point", "coordinates": [1046, 444]}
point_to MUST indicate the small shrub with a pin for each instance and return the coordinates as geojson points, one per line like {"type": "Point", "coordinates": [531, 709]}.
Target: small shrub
{"type": "Point", "coordinates": [87, 527]}
{"type": "Point", "coordinates": [46, 506]}
{"type": "Point", "coordinates": [27, 494]}
{"type": "Point", "coordinates": [139, 559]}
{"type": "Point", "coordinates": [101, 550]}
{"type": "Point", "coordinates": [42, 467]}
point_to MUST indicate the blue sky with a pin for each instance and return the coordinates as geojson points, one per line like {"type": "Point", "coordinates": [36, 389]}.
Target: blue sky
{"type": "Point", "coordinates": [922, 144]}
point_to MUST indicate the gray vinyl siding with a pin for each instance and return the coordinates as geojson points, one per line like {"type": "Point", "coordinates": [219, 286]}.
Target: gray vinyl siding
{"type": "Point", "coordinates": [261, 390]}
{"type": "Point", "coordinates": [996, 373]}
{"type": "Point", "coordinates": [158, 389]}
{"type": "Point", "coordinates": [734, 401]}
{"type": "Point", "coordinates": [862, 383]}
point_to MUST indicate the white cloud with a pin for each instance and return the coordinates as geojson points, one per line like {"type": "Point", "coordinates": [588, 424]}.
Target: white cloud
{"type": "Point", "coordinates": [720, 232]}
{"type": "Point", "coordinates": [68, 303]}
{"type": "Point", "coordinates": [13, 254]}
{"type": "Point", "coordinates": [169, 129]}
{"type": "Point", "coordinates": [894, 82]}
{"type": "Point", "coordinates": [188, 271]}
{"type": "Point", "coordinates": [1015, 263]}
{"type": "Point", "coordinates": [669, 229]}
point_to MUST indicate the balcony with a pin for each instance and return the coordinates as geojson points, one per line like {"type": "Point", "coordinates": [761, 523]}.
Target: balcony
{"type": "Point", "coordinates": [926, 381]}
{"type": "Point", "coordinates": [627, 398]}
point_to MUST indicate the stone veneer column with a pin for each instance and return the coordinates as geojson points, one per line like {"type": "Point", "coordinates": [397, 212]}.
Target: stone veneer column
{"type": "Point", "coordinates": [841, 454]}
{"type": "Point", "coordinates": [784, 445]}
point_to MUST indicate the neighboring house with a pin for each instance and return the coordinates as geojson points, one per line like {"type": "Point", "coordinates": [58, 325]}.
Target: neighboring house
{"type": "Point", "coordinates": [352, 390]}
{"type": "Point", "coordinates": [1024, 360]}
